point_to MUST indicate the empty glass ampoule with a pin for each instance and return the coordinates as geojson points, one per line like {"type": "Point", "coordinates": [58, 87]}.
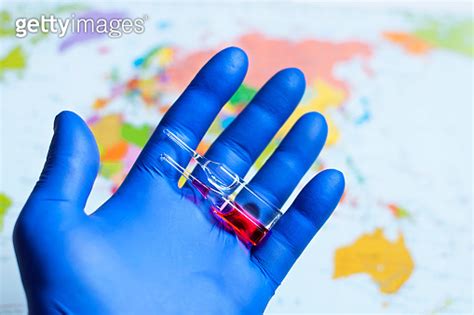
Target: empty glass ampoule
{"type": "Point", "coordinates": [248, 214]}
{"type": "Point", "coordinates": [217, 173]}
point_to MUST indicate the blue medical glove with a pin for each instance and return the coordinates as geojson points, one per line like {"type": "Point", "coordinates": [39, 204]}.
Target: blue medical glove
{"type": "Point", "coordinates": [151, 248]}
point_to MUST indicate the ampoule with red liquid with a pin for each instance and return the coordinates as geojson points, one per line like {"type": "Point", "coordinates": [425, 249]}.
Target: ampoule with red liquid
{"type": "Point", "coordinates": [247, 228]}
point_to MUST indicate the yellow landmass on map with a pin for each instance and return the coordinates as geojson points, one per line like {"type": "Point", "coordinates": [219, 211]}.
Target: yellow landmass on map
{"type": "Point", "coordinates": [107, 131]}
{"type": "Point", "coordinates": [326, 97]}
{"type": "Point", "coordinates": [388, 263]}
{"type": "Point", "coordinates": [165, 56]}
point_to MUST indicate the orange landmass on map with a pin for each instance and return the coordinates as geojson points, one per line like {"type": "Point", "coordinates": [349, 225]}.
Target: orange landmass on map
{"type": "Point", "coordinates": [388, 263]}
{"type": "Point", "coordinates": [115, 153]}
{"type": "Point", "coordinates": [409, 42]}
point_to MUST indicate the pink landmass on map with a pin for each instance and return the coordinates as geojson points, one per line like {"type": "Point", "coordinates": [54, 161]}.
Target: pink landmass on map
{"type": "Point", "coordinates": [316, 58]}
{"type": "Point", "coordinates": [130, 157]}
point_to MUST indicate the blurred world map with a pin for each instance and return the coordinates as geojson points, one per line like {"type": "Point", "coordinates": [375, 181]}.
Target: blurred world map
{"type": "Point", "coordinates": [395, 85]}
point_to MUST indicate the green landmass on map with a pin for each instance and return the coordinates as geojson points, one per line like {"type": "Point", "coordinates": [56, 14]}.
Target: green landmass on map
{"type": "Point", "coordinates": [457, 36]}
{"type": "Point", "coordinates": [14, 60]}
{"type": "Point", "coordinates": [5, 204]}
{"type": "Point", "coordinates": [136, 135]}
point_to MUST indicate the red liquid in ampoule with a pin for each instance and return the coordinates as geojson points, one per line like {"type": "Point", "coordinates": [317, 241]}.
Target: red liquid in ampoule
{"type": "Point", "coordinates": [246, 228]}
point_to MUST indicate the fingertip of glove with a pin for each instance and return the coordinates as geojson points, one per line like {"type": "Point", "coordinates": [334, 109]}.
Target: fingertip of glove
{"type": "Point", "coordinates": [236, 54]}
{"type": "Point", "coordinates": [62, 117]}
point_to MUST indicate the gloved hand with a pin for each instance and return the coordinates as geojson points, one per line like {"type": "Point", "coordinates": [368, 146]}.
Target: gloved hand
{"type": "Point", "coordinates": [150, 249]}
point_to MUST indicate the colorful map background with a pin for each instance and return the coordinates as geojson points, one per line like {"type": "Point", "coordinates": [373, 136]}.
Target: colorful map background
{"type": "Point", "coordinates": [394, 84]}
